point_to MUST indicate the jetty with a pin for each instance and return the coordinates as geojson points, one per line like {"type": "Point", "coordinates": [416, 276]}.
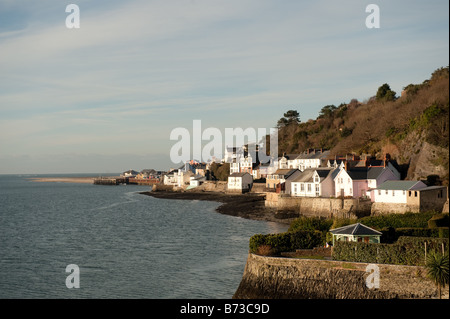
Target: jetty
{"type": "Point", "coordinates": [125, 180]}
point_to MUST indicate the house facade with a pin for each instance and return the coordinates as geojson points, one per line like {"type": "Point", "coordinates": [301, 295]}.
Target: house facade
{"type": "Point", "coordinates": [314, 182]}
{"type": "Point", "coordinates": [361, 181]}
{"type": "Point", "coordinates": [240, 182]}
{"type": "Point", "coordinates": [397, 192]}
{"type": "Point", "coordinates": [278, 177]}
{"type": "Point", "coordinates": [408, 196]}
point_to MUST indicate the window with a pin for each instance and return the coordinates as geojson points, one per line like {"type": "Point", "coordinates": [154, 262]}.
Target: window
{"type": "Point", "coordinates": [309, 187]}
{"type": "Point", "coordinates": [415, 193]}
{"type": "Point", "coordinates": [404, 192]}
{"type": "Point", "coordinates": [302, 187]}
{"type": "Point", "coordinates": [409, 193]}
{"type": "Point", "coordinates": [379, 192]}
{"type": "Point", "coordinates": [393, 193]}
{"type": "Point", "coordinates": [387, 191]}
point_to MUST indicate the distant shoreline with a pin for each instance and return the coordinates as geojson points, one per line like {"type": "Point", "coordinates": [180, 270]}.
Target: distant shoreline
{"type": "Point", "coordinates": [249, 206]}
{"type": "Point", "coordinates": [80, 180]}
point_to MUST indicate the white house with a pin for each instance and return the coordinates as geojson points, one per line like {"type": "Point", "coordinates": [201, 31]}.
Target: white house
{"type": "Point", "coordinates": [397, 191]}
{"type": "Point", "coordinates": [314, 182]}
{"type": "Point", "coordinates": [183, 178]}
{"type": "Point", "coordinates": [287, 161]}
{"type": "Point", "coordinates": [240, 182]}
{"type": "Point", "coordinates": [196, 180]}
{"type": "Point", "coordinates": [170, 179]}
{"type": "Point", "coordinates": [360, 181]}
{"type": "Point", "coordinates": [312, 158]}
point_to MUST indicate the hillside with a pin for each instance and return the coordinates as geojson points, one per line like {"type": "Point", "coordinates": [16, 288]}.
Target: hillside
{"type": "Point", "coordinates": [413, 128]}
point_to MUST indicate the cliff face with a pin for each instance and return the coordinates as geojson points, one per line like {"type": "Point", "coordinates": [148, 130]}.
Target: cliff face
{"type": "Point", "coordinates": [289, 278]}
{"type": "Point", "coordinates": [422, 158]}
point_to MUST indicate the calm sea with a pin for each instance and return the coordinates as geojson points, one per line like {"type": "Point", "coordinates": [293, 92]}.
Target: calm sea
{"type": "Point", "coordinates": [126, 245]}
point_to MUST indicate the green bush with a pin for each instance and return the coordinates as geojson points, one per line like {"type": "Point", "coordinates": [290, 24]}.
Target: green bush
{"type": "Point", "coordinates": [438, 220]}
{"type": "Point", "coordinates": [310, 223]}
{"type": "Point", "coordinates": [443, 232]}
{"type": "Point", "coordinates": [288, 241]}
{"type": "Point", "coordinates": [413, 220]}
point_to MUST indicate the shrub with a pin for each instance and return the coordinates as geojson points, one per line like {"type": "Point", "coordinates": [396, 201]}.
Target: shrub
{"type": "Point", "coordinates": [438, 220]}
{"type": "Point", "coordinates": [413, 220]}
{"type": "Point", "coordinates": [310, 223]}
{"type": "Point", "coordinates": [288, 241]}
{"type": "Point", "coordinates": [264, 250]}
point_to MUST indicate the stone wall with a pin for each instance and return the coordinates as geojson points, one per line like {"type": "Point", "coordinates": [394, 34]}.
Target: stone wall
{"type": "Point", "coordinates": [318, 206]}
{"type": "Point", "coordinates": [393, 208]}
{"type": "Point", "coordinates": [281, 278]}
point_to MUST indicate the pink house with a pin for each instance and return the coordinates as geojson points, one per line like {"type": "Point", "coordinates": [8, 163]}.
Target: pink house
{"type": "Point", "coordinates": [361, 181]}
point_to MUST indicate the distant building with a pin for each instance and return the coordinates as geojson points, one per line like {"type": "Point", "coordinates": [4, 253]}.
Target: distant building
{"type": "Point", "coordinates": [240, 182]}
{"type": "Point", "coordinates": [278, 178]}
{"type": "Point", "coordinates": [129, 173]}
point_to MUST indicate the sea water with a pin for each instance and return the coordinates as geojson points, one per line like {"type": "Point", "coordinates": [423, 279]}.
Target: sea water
{"type": "Point", "coordinates": [126, 245]}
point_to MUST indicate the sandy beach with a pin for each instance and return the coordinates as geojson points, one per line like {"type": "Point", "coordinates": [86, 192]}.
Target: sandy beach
{"type": "Point", "coordinates": [83, 180]}
{"type": "Point", "coordinates": [250, 206]}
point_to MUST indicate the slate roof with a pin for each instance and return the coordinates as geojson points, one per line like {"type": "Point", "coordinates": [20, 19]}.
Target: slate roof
{"type": "Point", "coordinates": [239, 174]}
{"type": "Point", "coordinates": [355, 229]}
{"type": "Point", "coordinates": [398, 185]}
{"type": "Point", "coordinates": [358, 173]}
{"type": "Point", "coordinates": [313, 155]}
{"type": "Point", "coordinates": [307, 175]}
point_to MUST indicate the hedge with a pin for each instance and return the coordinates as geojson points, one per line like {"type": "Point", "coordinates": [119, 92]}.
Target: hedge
{"type": "Point", "coordinates": [406, 251]}
{"type": "Point", "coordinates": [439, 220]}
{"type": "Point", "coordinates": [391, 235]}
{"type": "Point", "coordinates": [413, 220]}
{"type": "Point", "coordinates": [288, 241]}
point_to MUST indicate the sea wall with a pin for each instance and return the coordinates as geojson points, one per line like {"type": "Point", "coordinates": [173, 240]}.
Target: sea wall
{"type": "Point", "coordinates": [318, 206]}
{"type": "Point", "coordinates": [291, 278]}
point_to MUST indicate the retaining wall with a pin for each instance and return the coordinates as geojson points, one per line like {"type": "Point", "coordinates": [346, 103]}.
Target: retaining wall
{"type": "Point", "coordinates": [281, 278]}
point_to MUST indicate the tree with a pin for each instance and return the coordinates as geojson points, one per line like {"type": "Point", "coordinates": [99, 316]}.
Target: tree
{"type": "Point", "coordinates": [437, 269]}
{"type": "Point", "coordinates": [327, 111]}
{"type": "Point", "coordinates": [385, 93]}
{"type": "Point", "coordinates": [290, 117]}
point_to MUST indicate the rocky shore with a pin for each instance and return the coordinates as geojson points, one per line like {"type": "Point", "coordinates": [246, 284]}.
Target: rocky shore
{"type": "Point", "coordinates": [250, 206]}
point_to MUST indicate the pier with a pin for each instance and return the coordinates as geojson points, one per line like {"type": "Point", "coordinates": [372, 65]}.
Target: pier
{"type": "Point", "coordinates": [121, 180]}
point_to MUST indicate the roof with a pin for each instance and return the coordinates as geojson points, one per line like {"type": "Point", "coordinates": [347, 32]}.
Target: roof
{"type": "Point", "coordinates": [314, 154]}
{"type": "Point", "coordinates": [238, 174]}
{"type": "Point", "coordinates": [289, 156]}
{"type": "Point", "coordinates": [399, 185]}
{"type": "Point", "coordinates": [285, 171]}
{"type": "Point", "coordinates": [355, 229]}
{"type": "Point", "coordinates": [307, 176]}
{"type": "Point", "coordinates": [358, 173]}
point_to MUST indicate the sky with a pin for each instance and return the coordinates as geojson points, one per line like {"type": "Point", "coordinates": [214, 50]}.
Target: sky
{"type": "Point", "coordinates": [105, 97]}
